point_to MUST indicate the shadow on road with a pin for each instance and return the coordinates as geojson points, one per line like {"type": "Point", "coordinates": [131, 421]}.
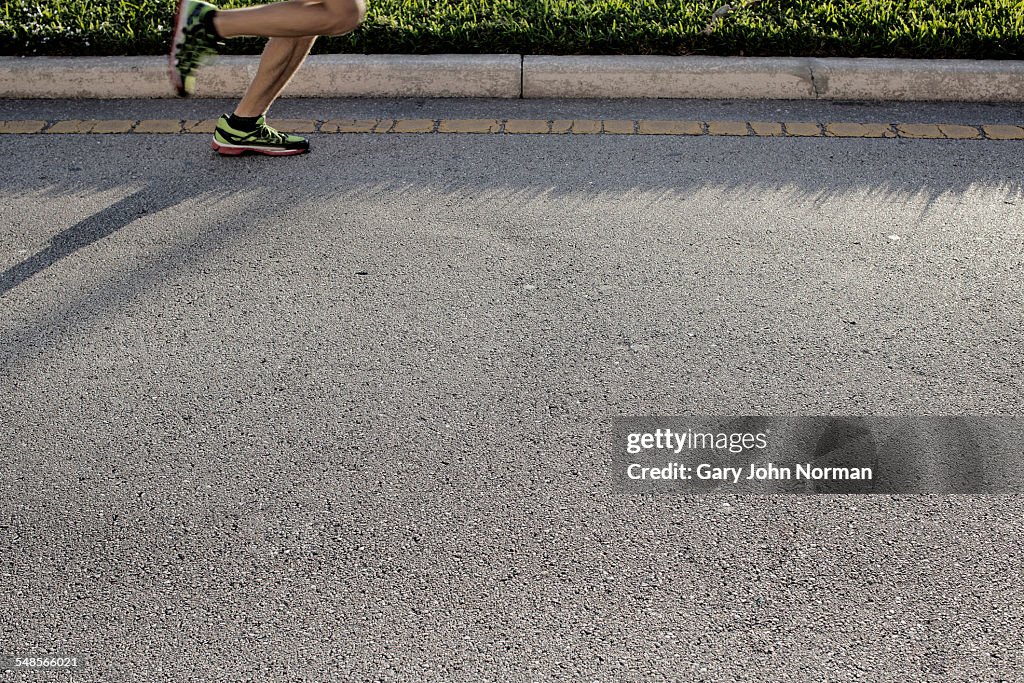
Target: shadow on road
{"type": "Point", "coordinates": [507, 174]}
{"type": "Point", "coordinates": [84, 233]}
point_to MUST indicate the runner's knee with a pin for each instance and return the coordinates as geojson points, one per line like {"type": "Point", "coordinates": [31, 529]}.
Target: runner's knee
{"type": "Point", "coordinates": [346, 15]}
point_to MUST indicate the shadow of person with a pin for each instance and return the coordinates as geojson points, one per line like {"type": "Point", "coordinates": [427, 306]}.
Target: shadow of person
{"type": "Point", "coordinates": [217, 216]}
{"type": "Point", "coordinates": [86, 232]}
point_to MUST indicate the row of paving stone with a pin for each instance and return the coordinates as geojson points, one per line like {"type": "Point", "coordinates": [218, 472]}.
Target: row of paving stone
{"type": "Point", "coordinates": [540, 127]}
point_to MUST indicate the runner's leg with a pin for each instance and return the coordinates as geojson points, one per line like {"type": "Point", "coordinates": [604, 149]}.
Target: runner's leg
{"type": "Point", "coordinates": [292, 19]}
{"type": "Point", "coordinates": [281, 59]}
{"type": "Point", "coordinates": [292, 26]}
{"type": "Point", "coordinates": [246, 130]}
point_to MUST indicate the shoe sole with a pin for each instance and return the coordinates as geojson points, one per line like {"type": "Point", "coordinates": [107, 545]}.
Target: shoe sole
{"type": "Point", "coordinates": [237, 150]}
{"type": "Point", "coordinates": [179, 29]}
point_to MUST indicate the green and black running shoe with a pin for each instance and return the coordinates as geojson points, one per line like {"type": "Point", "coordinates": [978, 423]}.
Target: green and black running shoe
{"type": "Point", "coordinates": [194, 40]}
{"type": "Point", "coordinates": [263, 139]}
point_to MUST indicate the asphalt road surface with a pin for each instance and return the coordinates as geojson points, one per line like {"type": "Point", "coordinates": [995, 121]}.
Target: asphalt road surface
{"type": "Point", "coordinates": [347, 416]}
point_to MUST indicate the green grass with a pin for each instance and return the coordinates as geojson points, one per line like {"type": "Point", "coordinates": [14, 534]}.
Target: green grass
{"type": "Point", "coordinates": [983, 29]}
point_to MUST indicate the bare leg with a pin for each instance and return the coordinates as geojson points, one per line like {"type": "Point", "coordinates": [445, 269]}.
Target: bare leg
{"type": "Point", "coordinates": [281, 59]}
{"type": "Point", "coordinates": [292, 19]}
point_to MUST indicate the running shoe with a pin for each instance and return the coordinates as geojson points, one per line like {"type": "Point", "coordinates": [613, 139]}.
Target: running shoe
{"type": "Point", "coordinates": [230, 141]}
{"type": "Point", "coordinates": [194, 40]}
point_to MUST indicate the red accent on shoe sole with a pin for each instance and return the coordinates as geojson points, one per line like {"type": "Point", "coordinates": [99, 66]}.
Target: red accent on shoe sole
{"type": "Point", "coordinates": [226, 151]}
{"type": "Point", "coordinates": [231, 152]}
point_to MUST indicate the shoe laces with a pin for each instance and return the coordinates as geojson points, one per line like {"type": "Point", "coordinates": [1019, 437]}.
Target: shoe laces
{"type": "Point", "coordinates": [268, 132]}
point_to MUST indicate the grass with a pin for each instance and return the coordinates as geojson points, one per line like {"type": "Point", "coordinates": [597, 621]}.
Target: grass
{"type": "Point", "coordinates": [981, 29]}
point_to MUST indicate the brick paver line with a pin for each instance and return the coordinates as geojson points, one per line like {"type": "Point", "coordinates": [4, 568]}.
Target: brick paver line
{"type": "Point", "coordinates": [835, 129]}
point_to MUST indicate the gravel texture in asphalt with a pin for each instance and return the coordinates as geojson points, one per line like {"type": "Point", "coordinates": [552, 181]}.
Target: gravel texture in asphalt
{"type": "Point", "coordinates": [347, 416]}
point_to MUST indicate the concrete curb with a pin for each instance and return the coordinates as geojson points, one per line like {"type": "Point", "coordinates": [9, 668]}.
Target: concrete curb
{"type": "Point", "coordinates": [964, 80]}
{"type": "Point", "coordinates": [228, 76]}
{"type": "Point", "coordinates": [514, 76]}
{"type": "Point", "coordinates": [791, 78]}
{"type": "Point", "coordinates": [409, 76]}
{"type": "Point", "coordinates": [674, 77]}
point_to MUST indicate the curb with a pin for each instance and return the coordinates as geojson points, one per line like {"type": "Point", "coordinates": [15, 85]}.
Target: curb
{"type": "Point", "coordinates": [529, 76]}
{"type": "Point", "coordinates": [786, 78]}
{"type": "Point", "coordinates": [789, 78]}
{"type": "Point", "coordinates": [228, 76]}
